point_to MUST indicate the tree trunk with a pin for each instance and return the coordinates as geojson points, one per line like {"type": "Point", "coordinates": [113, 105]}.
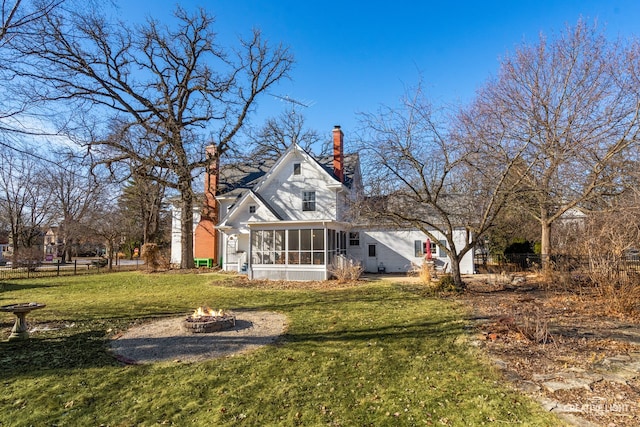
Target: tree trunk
{"type": "Point", "coordinates": [110, 253]}
{"type": "Point", "coordinates": [65, 256]}
{"type": "Point", "coordinates": [545, 244]}
{"type": "Point", "coordinates": [186, 228]}
{"type": "Point", "coordinates": [455, 271]}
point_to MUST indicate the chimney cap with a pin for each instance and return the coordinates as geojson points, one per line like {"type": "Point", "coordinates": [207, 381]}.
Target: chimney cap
{"type": "Point", "coordinates": [336, 126]}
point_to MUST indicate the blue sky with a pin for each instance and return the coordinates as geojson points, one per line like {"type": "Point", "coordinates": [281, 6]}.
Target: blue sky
{"type": "Point", "coordinates": [353, 56]}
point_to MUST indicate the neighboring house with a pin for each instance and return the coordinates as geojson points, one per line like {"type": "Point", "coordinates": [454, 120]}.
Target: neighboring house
{"type": "Point", "coordinates": [291, 219]}
{"type": "Point", "coordinates": [53, 243]}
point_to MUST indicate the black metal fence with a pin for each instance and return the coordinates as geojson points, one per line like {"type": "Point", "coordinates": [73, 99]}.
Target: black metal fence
{"type": "Point", "coordinates": [69, 269]}
{"type": "Point", "coordinates": [485, 263]}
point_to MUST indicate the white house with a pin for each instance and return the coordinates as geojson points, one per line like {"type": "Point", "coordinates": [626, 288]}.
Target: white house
{"type": "Point", "coordinates": [290, 219]}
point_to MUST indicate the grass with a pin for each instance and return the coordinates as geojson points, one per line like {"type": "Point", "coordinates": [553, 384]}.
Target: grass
{"type": "Point", "coordinates": [380, 354]}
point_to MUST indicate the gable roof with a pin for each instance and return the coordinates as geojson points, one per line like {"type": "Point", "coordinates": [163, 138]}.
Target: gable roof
{"type": "Point", "coordinates": [244, 201]}
{"type": "Point", "coordinates": [235, 179]}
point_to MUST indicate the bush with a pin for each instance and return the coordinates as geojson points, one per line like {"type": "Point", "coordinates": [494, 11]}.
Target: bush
{"type": "Point", "coordinates": [151, 256]}
{"type": "Point", "coordinates": [345, 269]}
{"type": "Point", "coordinates": [617, 285]}
{"type": "Point", "coordinates": [29, 258]}
{"type": "Point", "coordinates": [447, 284]}
{"type": "Point", "coordinates": [424, 271]}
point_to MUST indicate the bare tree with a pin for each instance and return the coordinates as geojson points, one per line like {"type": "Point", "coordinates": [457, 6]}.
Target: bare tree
{"type": "Point", "coordinates": [422, 175]}
{"type": "Point", "coordinates": [170, 91]}
{"type": "Point", "coordinates": [107, 224]}
{"type": "Point", "coordinates": [567, 107]}
{"type": "Point", "coordinates": [25, 201]}
{"type": "Point", "coordinates": [142, 201]}
{"type": "Point", "coordinates": [17, 15]}
{"type": "Point", "coordinates": [279, 133]}
{"type": "Point", "coordinates": [76, 197]}
{"type": "Point", "coordinates": [16, 18]}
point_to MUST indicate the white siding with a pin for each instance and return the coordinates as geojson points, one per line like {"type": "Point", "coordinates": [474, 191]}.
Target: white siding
{"type": "Point", "coordinates": [395, 250]}
{"type": "Point", "coordinates": [284, 190]}
{"type": "Point", "coordinates": [176, 233]}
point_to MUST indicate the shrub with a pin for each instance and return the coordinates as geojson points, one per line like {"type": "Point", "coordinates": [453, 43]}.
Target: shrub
{"type": "Point", "coordinates": [29, 258]}
{"type": "Point", "coordinates": [616, 284]}
{"type": "Point", "coordinates": [424, 272]}
{"type": "Point", "coordinates": [345, 269]}
{"type": "Point", "coordinates": [446, 284]}
{"type": "Point", "coordinates": [151, 256]}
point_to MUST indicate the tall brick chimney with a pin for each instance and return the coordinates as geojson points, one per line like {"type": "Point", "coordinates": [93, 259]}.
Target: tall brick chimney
{"type": "Point", "coordinates": [205, 240]}
{"type": "Point", "coordinates": [211, 177]}
{"type": "Point", "coordinates": [338, 153]}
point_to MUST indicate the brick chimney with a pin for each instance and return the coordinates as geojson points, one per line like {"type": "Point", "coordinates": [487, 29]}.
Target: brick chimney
{"type": "Point", "coordinates": [338, 153]}
{"type": "Point", "coordinates": [205, 240]}
{"type": "Point", "coordinates": [211, 177]}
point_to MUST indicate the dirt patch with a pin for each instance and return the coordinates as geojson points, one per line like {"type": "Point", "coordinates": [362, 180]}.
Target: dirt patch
{"type": "Point", "coordinates": [560, 347]}
{"type": "Point", "coordinates": [167, 340]}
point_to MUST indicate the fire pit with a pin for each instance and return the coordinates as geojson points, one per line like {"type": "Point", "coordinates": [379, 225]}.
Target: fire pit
{"type": "Point", "coordinates": [205, 320]}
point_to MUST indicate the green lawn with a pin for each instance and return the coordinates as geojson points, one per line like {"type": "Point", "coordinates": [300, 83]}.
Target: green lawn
{"type": "Point", "coordinates": [380, 354]}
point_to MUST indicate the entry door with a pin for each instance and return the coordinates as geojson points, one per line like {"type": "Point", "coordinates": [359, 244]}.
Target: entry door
{"type": "Point", "coordinates": [372, 258]}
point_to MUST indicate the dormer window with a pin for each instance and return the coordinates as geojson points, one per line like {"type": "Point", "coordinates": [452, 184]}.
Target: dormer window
{"type": "Point", "coordinates": [252, 209]}
{"type": "Point", "coordinates": [296, 168]}
{"type": "Point", "coordinates": [308, 200]}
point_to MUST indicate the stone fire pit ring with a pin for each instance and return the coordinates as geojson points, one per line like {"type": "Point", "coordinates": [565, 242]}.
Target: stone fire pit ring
{"type": "Point", "coordinates": [207, 324]}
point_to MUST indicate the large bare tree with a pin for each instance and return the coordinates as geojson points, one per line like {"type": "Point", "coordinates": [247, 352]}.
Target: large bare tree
{"type": "Point", "coordinates": [568, 108]}
{"type": "Point", "coordinates": [169, 91]}
{"type": "Point", "coordinates": [25, 200]}
{"type": "Point", "coordinates": [17, 15]}
{"type": "Point", "coordinates": [278, 133]}
{"type": "Point", "coordinates": [16, 19]}
{"type": "Point", "coordinates": [424, 171]}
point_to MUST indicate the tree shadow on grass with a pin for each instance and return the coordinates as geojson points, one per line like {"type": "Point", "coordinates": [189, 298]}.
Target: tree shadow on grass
{"type": "Point", "coordinates": [76, 351]}
{"type": "Point", "coordinates": [331, 300]}
{"type": "Point", "coordinates": [20, 286]}
{"type": "Point", "coordinates": [436, 329]}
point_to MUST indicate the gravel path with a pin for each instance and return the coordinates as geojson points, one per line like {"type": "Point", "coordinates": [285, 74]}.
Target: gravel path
{"type": "Point", "coordinates": [166, 340]}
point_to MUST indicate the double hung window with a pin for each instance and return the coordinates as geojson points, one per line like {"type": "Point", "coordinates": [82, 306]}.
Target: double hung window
{"type": "Point", "coordinates": [308, 200]}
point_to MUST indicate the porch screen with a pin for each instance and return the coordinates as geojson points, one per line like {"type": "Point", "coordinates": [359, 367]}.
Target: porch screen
{"type": "Point", "coordinates": [267, 247]}
{"type": "Point", "coordinates": [303, 246]}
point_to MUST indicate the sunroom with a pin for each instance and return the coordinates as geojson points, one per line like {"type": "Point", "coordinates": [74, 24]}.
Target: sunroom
{"type": "Point", "coordinates": [294, 250]}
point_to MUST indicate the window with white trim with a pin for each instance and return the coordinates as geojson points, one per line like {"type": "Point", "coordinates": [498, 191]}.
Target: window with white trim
{"type": "Point", "coordinates": [354, 238]}
{"type": "Point", "coordinates": [308, 200]}
{"type": "Point", "coordinates": [420, 248]}
{"type": "Point", "coordinates": [252, 209]}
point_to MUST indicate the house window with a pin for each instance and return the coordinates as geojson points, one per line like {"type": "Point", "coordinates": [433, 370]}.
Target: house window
{"type": "Point", "coordinates": [354, 238]}
{"type": "Point", "coordinates": [372, 250]}
{"type": "Point", "coordinates": [444, 245]}
{"type": "Point", "coordinates": [252, 209]}
{"type": "Point", "coordinates": [308, 200]}
{"type": "Point", "coordinates": [296, 168]}
{"type": "Point", "coordinates": [420, 248]}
